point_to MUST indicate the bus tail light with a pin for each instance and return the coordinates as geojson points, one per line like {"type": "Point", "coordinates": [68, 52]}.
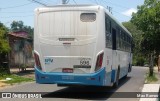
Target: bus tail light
{"type": "Point", "coordinates": [37, 61]}
{"type": "Point", "coordinates": [99, 61]}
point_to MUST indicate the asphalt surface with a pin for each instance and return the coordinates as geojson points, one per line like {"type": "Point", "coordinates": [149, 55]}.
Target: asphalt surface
{"type": "Point", "coordinates": [133, 83]}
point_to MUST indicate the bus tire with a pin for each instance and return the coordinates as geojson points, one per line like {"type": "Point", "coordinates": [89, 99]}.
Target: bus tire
{"type": "Point", "coordinates": [117, 79]}
{"type": "Point", "coordinates": [129, 68]}
{"type": "Point", "coordinates": [125, 76]}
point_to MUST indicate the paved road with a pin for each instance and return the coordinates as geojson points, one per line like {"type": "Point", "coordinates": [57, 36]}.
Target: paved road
{"type": "Point", "coordinates": [133, 83]}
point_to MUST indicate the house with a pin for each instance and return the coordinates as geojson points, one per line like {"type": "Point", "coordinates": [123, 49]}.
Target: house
{"type": "Point", "coordinates": [21, 49]}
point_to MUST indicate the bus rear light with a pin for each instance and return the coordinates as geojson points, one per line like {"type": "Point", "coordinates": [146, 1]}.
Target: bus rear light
{"type": "Point", "coordinates": [67, 43]}
{"type": "Point", "coordinates": [67, 70]}
{"type": "Point", "coordinates": [99, 61]}
{"type": "Point", "coordinates": [37, 61]}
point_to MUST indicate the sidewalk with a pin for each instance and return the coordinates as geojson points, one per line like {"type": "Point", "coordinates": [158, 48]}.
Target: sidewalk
{"type": "Point", "coordinates": [29, 73]}
{"type": "Point", "coordinates": [152, 87]}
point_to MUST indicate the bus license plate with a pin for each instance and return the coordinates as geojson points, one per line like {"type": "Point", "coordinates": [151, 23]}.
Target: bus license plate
{"type": "Point", "coordinates": [67, 70]}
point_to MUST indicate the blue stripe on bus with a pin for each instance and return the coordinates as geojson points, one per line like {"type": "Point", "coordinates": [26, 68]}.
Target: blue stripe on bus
{"type": "Point", "coordinates": [113, 76]}
{"type": "Point", "coordinates": [96, 78]}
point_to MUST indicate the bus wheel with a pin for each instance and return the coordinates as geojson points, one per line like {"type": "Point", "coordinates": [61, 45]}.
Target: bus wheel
{"type": "Point", "coordinates": [129, 68]}
{"type": "Point", "coordinates": [117, 79]}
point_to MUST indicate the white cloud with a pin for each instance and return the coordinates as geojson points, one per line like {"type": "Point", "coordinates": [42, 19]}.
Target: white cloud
{"type": "Point", "coordinates": [129, 12]}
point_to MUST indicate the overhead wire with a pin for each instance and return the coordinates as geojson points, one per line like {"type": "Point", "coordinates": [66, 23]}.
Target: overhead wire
{"type": "Point", "coordinates": [16, 6]}
{"type": "Point", "coordinates": [75, 2]}
{"type": "Point", "coordinates": [18, 12]}
{"type": "Point", "coordinates": [117, 5]}
{"type": "Point", "coordinates": [35, 1]}
{"type": "Point", "coordinates": [16, 16]}
{"type": "Point", "coordinates": [96, 2]}
{"type": "Point", "coordinates": [121, 13]}
{"type": "Point", "coordinates": [46, 5]}
{"type": "Point", "coordinates": [67, 1]}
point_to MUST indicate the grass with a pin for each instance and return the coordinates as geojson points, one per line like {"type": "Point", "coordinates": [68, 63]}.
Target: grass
{"type": "Point", "coordinates": [151, 79]}
{"type": "Point", "coordinates": [15, 79]}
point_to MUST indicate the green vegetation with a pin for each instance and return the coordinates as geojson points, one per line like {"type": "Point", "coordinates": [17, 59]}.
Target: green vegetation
{"type": "Point", "coordinates": [147, 19]}
{"type": "Point", "coordinates": [4, 45]}
{"type": "Point", "coordinates": [15, 78]}
{"type": "Point", "coordinates": [151, 79]}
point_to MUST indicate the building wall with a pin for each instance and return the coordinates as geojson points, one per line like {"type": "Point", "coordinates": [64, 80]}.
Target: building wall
{"type": "Point", "coordinates": [21, 52]}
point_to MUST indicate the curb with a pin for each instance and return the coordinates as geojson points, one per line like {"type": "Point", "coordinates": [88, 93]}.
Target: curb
{"type": "Point", "coordinates": [150, 91]}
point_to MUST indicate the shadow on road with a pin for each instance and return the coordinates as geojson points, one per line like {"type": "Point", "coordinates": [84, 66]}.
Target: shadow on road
{"type": "Point", "coordinates": [86, 92]}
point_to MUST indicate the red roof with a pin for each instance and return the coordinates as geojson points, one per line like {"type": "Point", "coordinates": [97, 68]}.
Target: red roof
{"type": "Point", "coordinates": [22, 34]}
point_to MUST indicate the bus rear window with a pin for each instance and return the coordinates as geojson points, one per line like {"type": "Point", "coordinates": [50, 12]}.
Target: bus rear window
{"type": "Point", "coordinates": [88, 17]}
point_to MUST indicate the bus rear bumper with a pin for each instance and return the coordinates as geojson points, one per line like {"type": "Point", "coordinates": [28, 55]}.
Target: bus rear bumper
{"type": "Point", "coordinates": [95, 79]}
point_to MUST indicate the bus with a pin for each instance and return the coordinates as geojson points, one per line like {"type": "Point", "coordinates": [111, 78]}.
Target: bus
{"type": "Point", "coordinates": [80, 45]}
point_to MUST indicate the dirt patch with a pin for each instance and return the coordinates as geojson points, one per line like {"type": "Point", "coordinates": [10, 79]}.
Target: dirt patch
{"type": "Point", "coordinates": [2, 84]}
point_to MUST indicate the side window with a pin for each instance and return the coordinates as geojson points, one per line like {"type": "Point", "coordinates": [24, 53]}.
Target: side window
{"type": "Point", "coordinates": [108, 35]}
{"type": "Point", "coordinates": [122, 40]}
{"type": "Point", "coordinates": [110, 26]}
{"type": "Point", "coordinates": [118, 38]}
{"type": "Point", "coordinates": [114, 41]}
{"type": "Point", "coordinates": [129, 44]}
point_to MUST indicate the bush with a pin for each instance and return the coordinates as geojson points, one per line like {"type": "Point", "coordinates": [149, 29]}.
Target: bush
{"type": "Point", "coordinates": [3, 70]}
{"type": "Point", "coordinates": [138, 61]}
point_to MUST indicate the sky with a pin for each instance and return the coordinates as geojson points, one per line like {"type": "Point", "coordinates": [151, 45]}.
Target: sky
{"type": "Point", "coordinates": [23, 10]}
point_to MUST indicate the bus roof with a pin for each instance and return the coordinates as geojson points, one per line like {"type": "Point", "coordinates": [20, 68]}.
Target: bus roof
{"type": "Point", "coordinates": [85, 7]}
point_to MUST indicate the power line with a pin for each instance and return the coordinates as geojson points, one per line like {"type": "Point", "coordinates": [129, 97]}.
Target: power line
{"type": "Point", "coordinates": [116, 6]}
{"type": "Point", "coordinates": [92, 1]}
{"type": "Point", "coordinates": [16, 16]}
{"type": "Point", "coordinates": [96, 2]}
{"type": "Point", "coordinates": [121, 14]}
{"type": "Point", "coordinates": [18, 12]}
{"type": "Point", "coordinates": [120, 6]}
{"type": "Point", "coordinates": [67, 2]}
{"type": "Point", "coordinates": [75, 2]}
{"type": "Point", "coordinates": [38, 2]}
{"type": "Point", "coordinates": [16, 6]}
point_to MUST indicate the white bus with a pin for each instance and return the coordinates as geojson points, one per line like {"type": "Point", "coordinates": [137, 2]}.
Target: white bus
{"type": "Point", "coordinates": [80, 45]}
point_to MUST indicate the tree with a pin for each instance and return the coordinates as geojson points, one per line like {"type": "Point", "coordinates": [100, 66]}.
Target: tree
{"type": "Point", "coordinates": [147, 19]}
{"type": "Point", "coordinates": [19, 26]}
{"type": "Point", "coordinates": [138, 57]}
{"type": "Point", "coordinates": [4, 46]}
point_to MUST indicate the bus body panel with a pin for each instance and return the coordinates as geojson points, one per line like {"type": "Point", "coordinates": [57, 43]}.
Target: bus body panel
{"type": "Point", "coordinates": [62, 40]}
{"type": "Point", "coordinates": [54, 33]}
{"type": "Point", "coordinates": [97, 79]}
